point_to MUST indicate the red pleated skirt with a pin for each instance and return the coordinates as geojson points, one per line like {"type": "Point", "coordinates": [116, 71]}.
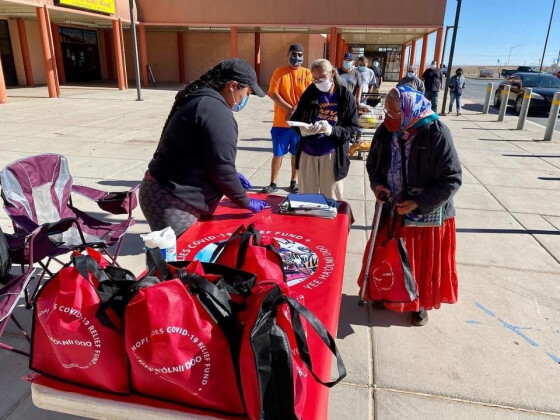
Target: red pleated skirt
{"type": "Point", "coordinates": [432, 259]}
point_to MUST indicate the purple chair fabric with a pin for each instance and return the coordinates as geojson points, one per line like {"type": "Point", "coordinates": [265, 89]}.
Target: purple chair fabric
{"type": "Point", "coordinates": [37, 197]}
{"type": "Point", "coordinates": [10, 294]}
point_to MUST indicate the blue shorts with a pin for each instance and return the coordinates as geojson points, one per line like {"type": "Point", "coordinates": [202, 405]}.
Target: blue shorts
{"type": "Point", "coordinates": [284, 140]}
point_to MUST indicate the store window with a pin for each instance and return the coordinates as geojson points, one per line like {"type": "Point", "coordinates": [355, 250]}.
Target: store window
{"type": "Point", "coordinates": [80, 53]}
{"type": "Point", "coordinates": [389, 57]}
{"type": "Point", "coordinates": [7, 56]}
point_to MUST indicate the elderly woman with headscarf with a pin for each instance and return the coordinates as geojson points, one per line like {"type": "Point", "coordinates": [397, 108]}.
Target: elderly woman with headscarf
{"type": "Point", "coordinates": [413, 161]}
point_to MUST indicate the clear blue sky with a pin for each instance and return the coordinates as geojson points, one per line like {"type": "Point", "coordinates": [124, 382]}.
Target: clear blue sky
{"type": "Point", "coordinates": [489, 28]}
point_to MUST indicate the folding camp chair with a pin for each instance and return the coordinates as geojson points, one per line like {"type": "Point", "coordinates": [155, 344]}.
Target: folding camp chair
{"type": "Point", "coordinates": [10, 293]}
{"type": "Point", "coordinates": [37, 196]}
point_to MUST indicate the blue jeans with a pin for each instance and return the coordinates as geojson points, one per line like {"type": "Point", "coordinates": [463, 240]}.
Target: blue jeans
{"type": "Point", "coordinates": [457, 99]}
{"type": "Point", "coordinates": [433, 98]}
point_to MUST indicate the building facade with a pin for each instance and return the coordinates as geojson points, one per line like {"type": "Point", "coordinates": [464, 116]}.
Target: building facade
{"type": "Point", "coordinates": [56, 42]}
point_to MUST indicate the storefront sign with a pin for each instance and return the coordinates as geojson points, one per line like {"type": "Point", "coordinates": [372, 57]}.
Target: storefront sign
{"type": "Point", "coordinates": [103, 6]}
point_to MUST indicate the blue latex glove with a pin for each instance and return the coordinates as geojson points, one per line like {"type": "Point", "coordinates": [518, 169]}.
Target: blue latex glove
{"type": "Point", "coordinates": [244, 181]}
{"type": "Point", "coordinates": [256, 206]}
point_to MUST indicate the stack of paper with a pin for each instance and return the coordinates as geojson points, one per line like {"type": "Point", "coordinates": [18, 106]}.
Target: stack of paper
{"type": "Point", "coordinates": [309, 205]}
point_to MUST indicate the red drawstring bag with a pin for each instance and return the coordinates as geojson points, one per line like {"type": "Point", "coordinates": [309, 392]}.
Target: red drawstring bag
{"type": "Point", "coordinates": [76, 336]}
{"type": "Point", "coordinates": [274, 359]}
{"type": "Point", "coordinates": [246, 250]}
{"type": "Point", "coordinates": [390, 277]}
{"type": "Point", "coordinates": [182, 339]}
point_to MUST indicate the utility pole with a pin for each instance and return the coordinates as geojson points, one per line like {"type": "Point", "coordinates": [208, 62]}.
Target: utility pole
{"type": "Point", "coordinates": [447, 28]}
{"type": "Point", "coordinates": [547, 33]}
{"type": "Point", "coordinates": [135, 51]}
{"type": "Point", "coordinates": [450, 63]}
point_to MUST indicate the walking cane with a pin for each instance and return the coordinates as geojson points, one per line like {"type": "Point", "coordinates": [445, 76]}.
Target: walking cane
{"type": "Point", "coordinates": [375, 228]}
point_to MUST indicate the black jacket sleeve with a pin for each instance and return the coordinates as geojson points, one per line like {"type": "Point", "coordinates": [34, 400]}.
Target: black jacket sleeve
{"type": "Point", "coordinates": [220, 150]}
{"type": "Point", "coordinates": [445, 170]}
{"type": "Point", "coordinates": [348, 128]}
{"type": "Point", "coordinates": [379, 157]}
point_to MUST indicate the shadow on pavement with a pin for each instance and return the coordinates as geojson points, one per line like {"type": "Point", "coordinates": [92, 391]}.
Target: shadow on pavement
{"type": "Point", "coordinates": [254, 149]}
{"type": "Point", "coordinates": [546, 178]}
{"type": "Point", "coordinates": [353, 314]}
{"type": "Point", "coordinates": [533, 156]}
{"type": "Point", "coordinates": [509, 231]}
{"type": "Point", "coordinates": [119, 183]}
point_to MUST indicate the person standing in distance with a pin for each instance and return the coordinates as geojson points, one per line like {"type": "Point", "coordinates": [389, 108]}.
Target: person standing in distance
{"type": "Point", "coordinates": [411, 80]}
{"type": "Point", "coordinates": [378, 71]}
{"type": "Point", "coordinates": [286, 86]}
{"type": "Point", "coordinates": [433, 81]}
{"type": "Point", "coordinates": [349, 76]}
{"type": "Point", "coordinates": [456, 86]}
{"type": "Point", "coordinates": [366, 76]}
{"type": "Point", "coordinates": [193, 166]}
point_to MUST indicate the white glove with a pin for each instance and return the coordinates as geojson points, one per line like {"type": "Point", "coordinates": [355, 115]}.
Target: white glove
{"type": "Point", "coordinates": [323, 127]}
{"type": "Point", "coordinates": [311, 131]}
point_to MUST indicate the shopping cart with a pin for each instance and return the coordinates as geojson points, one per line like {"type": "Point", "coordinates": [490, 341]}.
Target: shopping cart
{"type": "Point", "coordinates": [371, 113]}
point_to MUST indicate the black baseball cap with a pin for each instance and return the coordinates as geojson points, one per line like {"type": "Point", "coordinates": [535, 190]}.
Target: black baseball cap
{"type": "Point", "coordinates": [241, 71]}
{"type": "Point", "coordinates": [296, 47]}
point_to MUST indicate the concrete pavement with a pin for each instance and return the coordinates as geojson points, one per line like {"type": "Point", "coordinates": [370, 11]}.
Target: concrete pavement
{"type": "Point", "coordinates": [493, 355]}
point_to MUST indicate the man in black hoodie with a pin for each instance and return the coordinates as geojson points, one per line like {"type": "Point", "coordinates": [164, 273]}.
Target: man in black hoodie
{"type": "Point", "coordinates": [193, 166]}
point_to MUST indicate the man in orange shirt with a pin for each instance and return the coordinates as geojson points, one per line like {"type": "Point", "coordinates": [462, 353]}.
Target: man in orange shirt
{"type": "Point", "coordinates": [286, 86]}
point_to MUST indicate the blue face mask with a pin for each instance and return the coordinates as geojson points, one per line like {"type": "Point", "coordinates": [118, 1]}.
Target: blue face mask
{"type": "Point", "coordinates": [347, 65]}
{"type": "Point", "coordinates": [296, 61]}
{"type": "Point", "coordinates": [238, 107]}
{"type": "Point", "coordinates": [361, 69]}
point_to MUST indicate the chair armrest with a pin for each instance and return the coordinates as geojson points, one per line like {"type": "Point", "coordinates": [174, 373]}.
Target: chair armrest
{"type": "Point", "coordinates": [120, 202]}
{"type": "Point", "coordinates": [58, 227]}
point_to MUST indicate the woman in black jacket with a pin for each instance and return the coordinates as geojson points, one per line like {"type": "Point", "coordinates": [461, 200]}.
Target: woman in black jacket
{"type": "Point", "coordinates": [193, 166]}
{"type": "Point", "coordinates": [413, 161]}
{"type": "Point", "coordinates": [322, 151]}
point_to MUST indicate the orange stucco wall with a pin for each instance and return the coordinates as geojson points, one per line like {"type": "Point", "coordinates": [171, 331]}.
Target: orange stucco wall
{"type": "Point", "coordinates": [162, 56]}
{"type": "Point", "coordinates": [316, 47]}
{"type": "Point", "coordinates": [202, 51]}
{"type": "Point", "coordinates": [294, 12]}
{"type": "Point", "coordinates": [274, 52]}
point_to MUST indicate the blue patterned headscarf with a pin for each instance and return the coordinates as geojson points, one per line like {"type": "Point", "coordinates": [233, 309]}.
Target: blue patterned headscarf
{"type": "Point", "coordinates": [416, 109]}
{"type": "Point", "coordinates": [416, 112]}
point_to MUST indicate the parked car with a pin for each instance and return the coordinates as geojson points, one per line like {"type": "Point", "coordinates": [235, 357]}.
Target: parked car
{"type": "Point", "coordinates": [544, 86]}
{"type": "Point", "coordinates": [521, 69]}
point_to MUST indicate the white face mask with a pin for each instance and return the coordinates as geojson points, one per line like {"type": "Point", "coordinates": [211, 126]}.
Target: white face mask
{"type": "Point", "coordinates": [410, 74]}
{"type": "Point", "coordinates": [324, 86]}
{"type": "Point", "coordinates": [433, 66]}
{"type": "Point", "coordinates": [375, 63]}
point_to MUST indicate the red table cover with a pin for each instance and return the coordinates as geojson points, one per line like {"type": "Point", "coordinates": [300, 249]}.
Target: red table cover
{"type": "Point", "coordinates": [313, 250]}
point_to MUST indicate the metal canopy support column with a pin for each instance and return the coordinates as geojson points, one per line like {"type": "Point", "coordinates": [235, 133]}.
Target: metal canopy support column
{"type": "Point", "coordinates": [181, 56]}
{"type": "Point", "coordinates": [109, 55]}
{"type": "Point", "coordinates": [118, 55]}
{"type": "Point", "coordinates": [143, 54]}
{"type": "Point", "coordinates": [424, 54]}
{"type": "Point", "coordinates": [413, 56]}
{"type": "Point", "coordinates": [439, 46]}
{"type": "Point", "coordinates": [332, 47]}
{"type": "Point", "coordinates": [24, 46]}
{"type": "Point", "coordinates": [58, 53]}
{"type": "Point", "coordinates": [3, 92]}
{"type": "Point", "coordinates": [48, 59]}
{"type": "Point", "coordinates": [233, 41]}
{"type": "Point", "coordinates": [258, 56]}
{"type": "Point", "coordinates": [401, 71]}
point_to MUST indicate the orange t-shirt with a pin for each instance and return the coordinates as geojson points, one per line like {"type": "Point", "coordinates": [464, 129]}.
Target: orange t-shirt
{"type": "Point", "coordinates": [289, 83]}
